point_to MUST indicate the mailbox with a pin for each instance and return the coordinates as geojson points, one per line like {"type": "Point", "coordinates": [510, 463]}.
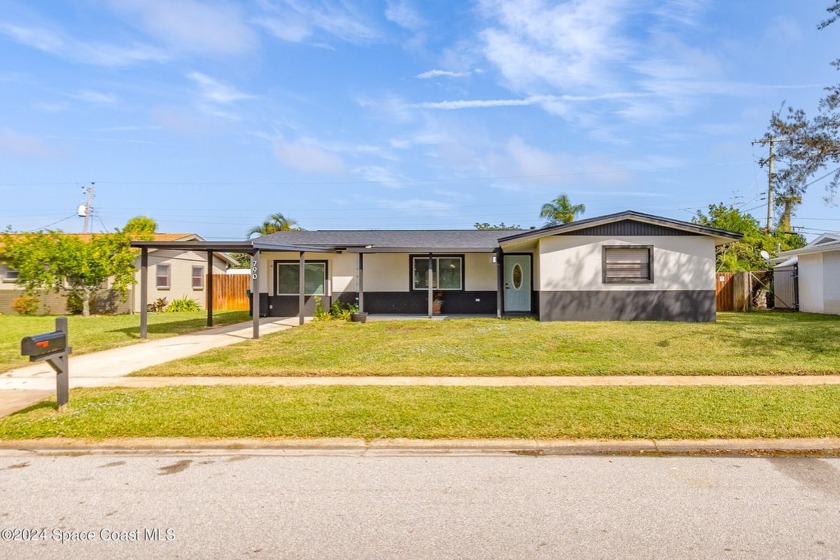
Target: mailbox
{"type": "Point", "coordinates": [39, 345]}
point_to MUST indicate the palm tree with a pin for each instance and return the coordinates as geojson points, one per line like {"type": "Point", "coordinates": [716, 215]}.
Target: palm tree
{"type": "Point", "coordinates": [560, 211]}
{"type": "Point", "coordinates": [274, 223]}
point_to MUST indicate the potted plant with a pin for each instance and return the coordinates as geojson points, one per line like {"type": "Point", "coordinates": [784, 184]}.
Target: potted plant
{"type": "Point", "coordinates": [437, 302]}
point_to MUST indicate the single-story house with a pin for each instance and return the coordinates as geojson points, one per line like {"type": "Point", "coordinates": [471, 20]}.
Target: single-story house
{"type": "Point", "coordinates": [624, 266]}
{"type": "Point", "coordinates": [817, 274]}
{"type": "Point", "coordinates": [177, 274]}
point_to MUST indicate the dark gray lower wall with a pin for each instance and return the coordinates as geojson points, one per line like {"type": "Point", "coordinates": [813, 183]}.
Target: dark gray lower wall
{"type": "Point", "coordinates": [384, 302]}
{"type": "Point", "coordinates": [682, 305]}
{"type": "Point", "coordinates": [418, 302]}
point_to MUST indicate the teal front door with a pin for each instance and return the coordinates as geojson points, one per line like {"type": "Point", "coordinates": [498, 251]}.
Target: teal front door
{"type": "Point", "coordinates": [518, 283]}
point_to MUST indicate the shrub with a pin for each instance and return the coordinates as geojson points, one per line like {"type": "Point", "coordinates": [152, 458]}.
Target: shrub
{"type": "Point", "coordinates": [338, 311]}
{"type": "Point", "coordinates": [321, 314]}
{"type": "Point", "coordinates": [183, 304]}
{"type": "Point", "coordinates": [26, 305]}
{"type": "Point", "coordinates": [157, 306]}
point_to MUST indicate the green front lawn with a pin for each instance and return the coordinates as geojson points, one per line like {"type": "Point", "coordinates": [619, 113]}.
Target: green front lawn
{"type": "Point", "coordinates": [437, 412]}
{"type": "Point", "coordinates": [101, 332]}
{"type": "Point", "coordinates": [738, 344]}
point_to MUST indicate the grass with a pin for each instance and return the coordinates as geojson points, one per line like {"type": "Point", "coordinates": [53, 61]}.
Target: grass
{"type": "Point", "coordinates": [101, 332]}
{"type": "Point", "coordinates": [764, 343]}
{"type": "Point", "coordinates": [437, 412]}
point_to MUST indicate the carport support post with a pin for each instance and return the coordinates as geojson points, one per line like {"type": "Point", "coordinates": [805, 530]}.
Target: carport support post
{"type": "Point", "coordinates": [209, 288]}
{"type": "Point", "coordinates": [361, 282]}
{"type": "Point", "coordinates": [255, 292]}
{"type": "Point", "coordinates": [144, 291]}
{"type": "Point", "coordinates": [302, 279]}
{"type": "Point", "coordinates": [431, 293]}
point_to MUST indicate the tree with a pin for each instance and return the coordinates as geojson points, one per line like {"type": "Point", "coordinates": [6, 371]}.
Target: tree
{"type": "Point", "coordinates": [140, 226]}
{"type": "Point", "coordinates": [807, 145]}
{"type": "Point", "coordinates": [745, 254]}
{"type": "Point", "coordinates": [274, 223]}
{"type": "Point", "coordinates": [487, 226]}
{"type": "Point", "coordinates": [66, 264]}
{"type": "Point", "coordinates": [560, 211]}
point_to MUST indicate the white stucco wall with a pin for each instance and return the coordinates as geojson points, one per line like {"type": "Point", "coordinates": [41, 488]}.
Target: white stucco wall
{"type": "Point", "coordinates": [384, 272]}
{"type": "Point", "coordinates": [574, 263]}
{"type": "Point", "coordinates": [387, 272]}
{"type": "Point", "coordinates": [480, 272]}
{"type": "Point", "coordinates": [811, 283]}
{"type": "Point", "coordinates": [831, 282]}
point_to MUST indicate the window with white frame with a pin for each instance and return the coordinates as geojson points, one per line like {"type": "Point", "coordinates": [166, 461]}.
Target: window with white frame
{"type": "Point", "coordinates": [163, 273]}
{"type": "Point", "coordinates": [198, 277]}
{"type": "Point", "coordinates": [447, 273]}
{"type": "Point", "coordinates": [628, 264]}
{"type": "Point", "coordinates": [288, 278]}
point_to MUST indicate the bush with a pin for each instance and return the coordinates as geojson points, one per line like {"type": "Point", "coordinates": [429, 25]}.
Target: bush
{"type": "Point", "coordinates": [26, 305]}
{"type": "Point", "coordinates": [157, 306]}
{"type": "Point", "coordinates": [338, 311]}
{"type": "Point", "coordinates": [183, 304]}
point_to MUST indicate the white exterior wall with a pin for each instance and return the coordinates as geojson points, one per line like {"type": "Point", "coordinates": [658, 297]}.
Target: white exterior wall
{"type": "Point", "coordinates": [180, 276]}
{"type": "Point", "coordinates": [480, 272]}
{"type": "Point", "coordinates": [384, 272]}
{"type": "Point", "coordinates": [574, 263]}
{"type": "Point", "coordinates": [341, 270]}
{"type": "Point", "coordinates": [811, 283]}
{"type": "Point", "coordinates": [831, 282]}
{"type": "Point", "coordinates": [387, 272]}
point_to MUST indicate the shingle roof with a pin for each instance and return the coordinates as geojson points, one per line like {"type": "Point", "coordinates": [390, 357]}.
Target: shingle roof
{"type": "Point", "coordinates": [389, 240]}
{"type": "Point", "coordinates": [571, 227]}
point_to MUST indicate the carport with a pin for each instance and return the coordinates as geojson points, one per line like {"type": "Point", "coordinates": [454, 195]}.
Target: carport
{"type": "Point", "coordinates": [252, 247]}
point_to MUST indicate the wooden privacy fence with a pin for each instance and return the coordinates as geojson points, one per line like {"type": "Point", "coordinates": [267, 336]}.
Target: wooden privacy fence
{"type": "Point", "coordinates": [230, 292]}
{"type": "Point", "coordinates": [743, 291]}
{"type": "Point", "coordinates": [725, 291]}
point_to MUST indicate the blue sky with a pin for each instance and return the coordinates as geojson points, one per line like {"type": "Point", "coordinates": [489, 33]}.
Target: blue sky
{"type": "Point", "coordinates": [208, 116]}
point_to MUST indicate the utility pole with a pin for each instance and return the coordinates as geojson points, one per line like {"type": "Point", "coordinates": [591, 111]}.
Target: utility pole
{"type": "Point", "coordinates": [771, 177]}
{"type": "Point", "coordinates": [84, 210]}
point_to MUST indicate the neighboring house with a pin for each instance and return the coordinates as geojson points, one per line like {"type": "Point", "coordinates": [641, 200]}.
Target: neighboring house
{"type": "Point", "coordinates": [625, 266]}
{"type": "Point", "coordinates": [174, 275]}
{"type": "Point", "coordinates": [177, 274]}
{"type": "Point", "coordinates": [818, 274]}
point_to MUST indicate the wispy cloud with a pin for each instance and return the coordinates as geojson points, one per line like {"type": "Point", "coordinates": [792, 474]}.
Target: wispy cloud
{"type": "Point", "coordinates": [216, 91]}
{"type": "Point", "coordinates": [190, 26]}
{"type": "Point", "coordinates": [565, 46]}
{"type": "Point", "coordinates": [405, 15]}
{"type": "Point", "coordinates": [417, 207]}
{"type": "Point", "coordinates": [297, 20]}
{"type": "Point", "coordinates": [381, 175]}
{"type": "Point", "coordinates": [86, 51]}
{"type": "Point", "coordinates": [95, 97]}
{"type": "Point", "coordinates": [437, 73]}
{"type": "Point", "coordinates": [307, 157]}
{"type": "Point", "coordinates": [19, 144]}
{"type": "Point", "coordinates": [524, 102]}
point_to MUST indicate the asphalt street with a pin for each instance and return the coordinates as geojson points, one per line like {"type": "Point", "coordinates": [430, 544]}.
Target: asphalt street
{"type": "Point", "coordinates": [332, 505]}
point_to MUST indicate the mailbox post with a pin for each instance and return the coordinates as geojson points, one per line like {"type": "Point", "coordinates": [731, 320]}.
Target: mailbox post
{"type": "Point", "coordinates": [52, 348]}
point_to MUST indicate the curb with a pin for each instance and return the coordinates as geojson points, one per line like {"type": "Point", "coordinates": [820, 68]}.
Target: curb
{"type": "Point", "coordinates": [390, 447]}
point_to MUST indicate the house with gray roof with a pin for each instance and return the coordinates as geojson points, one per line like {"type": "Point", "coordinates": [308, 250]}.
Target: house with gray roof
{"type": "Point", "coordinates": [624, 266]}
